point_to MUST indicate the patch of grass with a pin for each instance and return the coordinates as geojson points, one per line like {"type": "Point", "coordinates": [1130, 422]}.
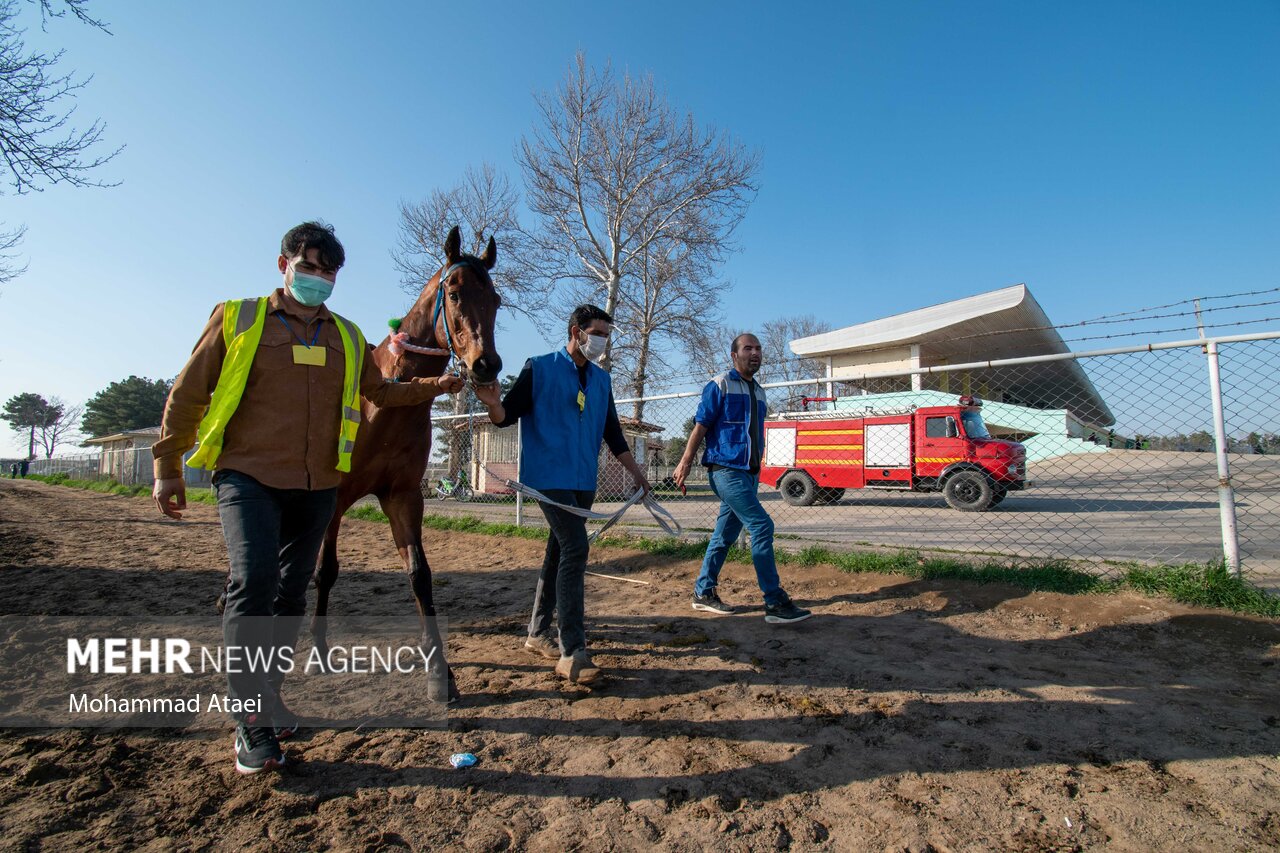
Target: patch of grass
{"type": "Point", "coordinates": [109, 487]}
{"type": "Point", "coordinates": [1202, 585]}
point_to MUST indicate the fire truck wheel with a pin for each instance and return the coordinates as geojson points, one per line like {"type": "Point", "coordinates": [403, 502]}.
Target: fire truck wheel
{"type": "Point", "coordinates": [968, 491]}
{"type": "Point", "coordinates": [827, 496]}
{"type": "Point", "coordinates": [798, 488]}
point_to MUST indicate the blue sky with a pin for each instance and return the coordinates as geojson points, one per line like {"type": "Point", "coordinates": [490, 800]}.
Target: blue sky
{"type": "Point", "coordinates": [1111, 156]}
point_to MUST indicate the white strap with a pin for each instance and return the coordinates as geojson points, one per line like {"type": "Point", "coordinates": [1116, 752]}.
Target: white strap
{"type": "Point", "coordinates": [665, 519]}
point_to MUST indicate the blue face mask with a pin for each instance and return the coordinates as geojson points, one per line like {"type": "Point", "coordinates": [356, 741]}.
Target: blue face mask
{"type": "Point", "coordinates": [310, 290]}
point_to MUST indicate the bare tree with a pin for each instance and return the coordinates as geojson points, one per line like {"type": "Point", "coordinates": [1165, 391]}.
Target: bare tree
{"type": "Point", "coordinates": [671, 298]}
{"type": "Point", "coordinates": [9, 266]}
{"type": "Point", "coordinates": [484, 204]}
{"type": "Point", "coordinates": [618, 178]}
{"type": "Point", "coordinates": [781, 365]}
{"type": "Point", "coordinates": [707, 354]}
{"type": "Point", "coordinates": [62, 427]}
{"type": "Point", "coordinates": [78, 8]}
{"type": "Point", "coordinates": [37, 145]}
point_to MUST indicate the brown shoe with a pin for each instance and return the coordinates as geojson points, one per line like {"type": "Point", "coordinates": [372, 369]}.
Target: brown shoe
{"type": "Point", "coordinates": [544, 646]}
{"type": "Point", "coordinates": [578, 668]}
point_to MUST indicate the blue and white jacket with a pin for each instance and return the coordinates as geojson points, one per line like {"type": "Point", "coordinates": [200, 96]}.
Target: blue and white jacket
{"type": "Point", "coordinates": [725, 410]}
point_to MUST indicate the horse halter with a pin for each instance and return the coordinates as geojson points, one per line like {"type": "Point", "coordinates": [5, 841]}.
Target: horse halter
{"type": "Point", "coordinates": [448, 337]}
{"type": "Point", "coordinates": [400, 340]}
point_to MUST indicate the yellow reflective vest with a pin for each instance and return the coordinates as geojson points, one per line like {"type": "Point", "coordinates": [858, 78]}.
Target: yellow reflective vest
{"type": "Point", "coordinates": [242, 323]}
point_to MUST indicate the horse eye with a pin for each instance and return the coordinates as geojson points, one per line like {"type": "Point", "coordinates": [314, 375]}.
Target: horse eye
{"type": "Point", "coordinates": [454, 297]}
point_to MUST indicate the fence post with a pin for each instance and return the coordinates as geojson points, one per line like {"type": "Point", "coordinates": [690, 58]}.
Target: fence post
{"type": "Point", "coordinates": [1226, 495]}
{"type": "Point", "coordinates": [519, 497]}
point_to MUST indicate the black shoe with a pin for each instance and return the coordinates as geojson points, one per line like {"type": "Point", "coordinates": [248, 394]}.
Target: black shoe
{"type": "Point", "coordinates": [711, 603]}
{"type": "Point", "coordinates": [287, 722]}
{"type": "Point", "coordinates": [257, 749]}
{"type": "Point", "coordinates": [783, 612]}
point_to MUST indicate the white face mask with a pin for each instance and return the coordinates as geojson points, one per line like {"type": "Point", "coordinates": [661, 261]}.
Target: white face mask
{"type": "Point", "coordinates": [594, 346]}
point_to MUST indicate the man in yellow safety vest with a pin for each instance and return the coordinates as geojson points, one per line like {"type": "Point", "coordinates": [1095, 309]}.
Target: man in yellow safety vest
{"type": "Point", "coordinates": [272, 395]}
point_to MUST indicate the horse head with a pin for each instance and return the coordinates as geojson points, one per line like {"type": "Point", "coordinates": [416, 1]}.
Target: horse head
{"type": "Point", "coordinates": [457, 308]}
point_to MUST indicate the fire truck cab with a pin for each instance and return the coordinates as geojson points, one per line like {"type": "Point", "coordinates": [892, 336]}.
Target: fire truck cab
{"type": "Point", "coordinates": [813, 457]}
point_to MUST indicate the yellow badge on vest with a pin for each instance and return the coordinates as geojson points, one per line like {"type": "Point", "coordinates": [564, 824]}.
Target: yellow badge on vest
{"type": "Point", "coordinates": [582, 401]}
{"type": "Point", "coordinates": [309, 355]}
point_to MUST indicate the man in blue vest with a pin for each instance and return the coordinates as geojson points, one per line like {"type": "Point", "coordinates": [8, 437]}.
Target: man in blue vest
{"type": "Point", "coordinates": [731, 417]}
{"type": "Point", "coordinates": [565, 401]}
{"type": "Point", "coordinates": [272, 388]}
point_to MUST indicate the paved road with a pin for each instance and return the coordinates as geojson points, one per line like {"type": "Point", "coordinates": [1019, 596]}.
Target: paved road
{"type": "Point", "coordinates": [1146, 506]}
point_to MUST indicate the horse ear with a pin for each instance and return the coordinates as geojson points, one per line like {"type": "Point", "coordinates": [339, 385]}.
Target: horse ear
{"type": "Point", "coordinates": [453, 245]}
{"type": "Point", "coordinates": [490, 256]}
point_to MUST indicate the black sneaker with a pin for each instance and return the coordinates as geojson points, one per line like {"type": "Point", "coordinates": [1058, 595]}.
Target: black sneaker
{"type": "Point", "coordinates": [784, 612]}
{"type": "Point", "coordinates": [287, 722]}
{"type": "Point", "coordinates": [257, 749]}
{"type": "Point", "coordinates": [711, 603]}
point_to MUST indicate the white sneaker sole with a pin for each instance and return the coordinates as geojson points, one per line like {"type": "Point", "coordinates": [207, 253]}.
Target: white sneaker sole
{"type": "Point", "coordinates": [271, 764]}
{"type": "Point", "coordinates": [706, 608]}
{"type": "Point", "coordinates": [536, 650]}
{"type": "Point", "coordinates": [778, 620]}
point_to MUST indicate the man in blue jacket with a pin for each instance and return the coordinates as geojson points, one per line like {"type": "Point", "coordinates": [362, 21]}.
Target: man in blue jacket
{"type": "Point", "coordinates": [731, 418]}
{"type": "Point", "coordinates": [566, 403]}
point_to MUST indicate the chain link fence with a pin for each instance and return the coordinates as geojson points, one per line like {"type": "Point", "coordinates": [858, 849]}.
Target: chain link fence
{"type": "Point", "coordinates": [1122, 456]}
{"type": "Point", "coordinates": [1121, 460]}
{"type": "Point", "coordinates": [131, 466]}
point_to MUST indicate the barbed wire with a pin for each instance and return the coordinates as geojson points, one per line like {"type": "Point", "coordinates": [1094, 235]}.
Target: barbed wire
{"type": "Point", "coordinates": [1170, 331]}
{"type": "Point", "coordinates": [681, 379]}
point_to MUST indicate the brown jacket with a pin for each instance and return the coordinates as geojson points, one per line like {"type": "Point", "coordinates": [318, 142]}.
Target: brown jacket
{"type": "Point", "coordinates": [284, 433]}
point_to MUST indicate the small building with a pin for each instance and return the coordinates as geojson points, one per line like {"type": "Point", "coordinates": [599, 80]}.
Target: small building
{"type": "Point", "coordinates": [126, 456]}
{"type": "Point", "coordinates": [497, 456]}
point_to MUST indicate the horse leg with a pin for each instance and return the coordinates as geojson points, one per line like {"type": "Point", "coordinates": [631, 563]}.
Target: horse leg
{"type": "Point", "coordinates": [326, 577]}
{"type": "Point", "coordinates": [404, 509]}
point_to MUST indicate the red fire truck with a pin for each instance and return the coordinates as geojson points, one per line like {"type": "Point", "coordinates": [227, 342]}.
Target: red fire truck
{"type": "Point", "coordinates": [812, 457]}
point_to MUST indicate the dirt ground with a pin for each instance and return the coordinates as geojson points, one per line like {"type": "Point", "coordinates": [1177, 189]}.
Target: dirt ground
{"type": "Point", "coordinates": [905, 715]}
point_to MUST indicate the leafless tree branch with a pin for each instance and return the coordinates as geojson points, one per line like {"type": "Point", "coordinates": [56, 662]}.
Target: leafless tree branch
{"type": "Point", "coordinates": [635, 206]}
{"type": "Point", "coordinates": [38, 145]}
{"type": "Point", "coordinates": [484, 204]}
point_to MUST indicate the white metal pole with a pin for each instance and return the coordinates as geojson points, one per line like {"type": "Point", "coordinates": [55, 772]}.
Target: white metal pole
{"type": "Point", "coordinates": [1226, 495]}
{"type": "Point", "coordinates": [519, 497]}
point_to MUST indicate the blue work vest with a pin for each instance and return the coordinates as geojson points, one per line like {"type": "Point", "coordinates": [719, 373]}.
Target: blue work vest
{"type": "Point", "coordinates": [560, 443]}
{"type": "Point", "coordinates": [725, 410]}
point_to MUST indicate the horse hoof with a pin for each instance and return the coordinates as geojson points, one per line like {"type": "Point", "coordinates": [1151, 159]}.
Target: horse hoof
{"type": "Point", "coordinates": [321, 650]}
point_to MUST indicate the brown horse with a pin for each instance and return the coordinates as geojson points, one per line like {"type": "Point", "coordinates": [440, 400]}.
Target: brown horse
{"type": "Point", "coordinates": [393, 444]}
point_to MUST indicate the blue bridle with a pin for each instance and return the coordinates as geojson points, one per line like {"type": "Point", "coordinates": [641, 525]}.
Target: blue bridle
{"type": "Point", "coordinates": [444, 276]}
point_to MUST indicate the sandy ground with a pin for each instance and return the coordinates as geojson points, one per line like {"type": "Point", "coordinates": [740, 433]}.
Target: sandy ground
{"type": "Point", "coordinates": [904, 716]}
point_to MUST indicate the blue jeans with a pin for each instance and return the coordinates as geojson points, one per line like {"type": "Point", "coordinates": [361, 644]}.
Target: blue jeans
{"type": "Point", "coordinates": [739, 506]}
{"type": "Point", "coordinates": [564, 566]}
{"type": "Point", "coordinates": [273, 538]}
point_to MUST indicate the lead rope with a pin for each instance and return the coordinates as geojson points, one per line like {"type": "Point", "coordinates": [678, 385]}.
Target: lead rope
{"type": "Point", "coordinates": [660, 514]}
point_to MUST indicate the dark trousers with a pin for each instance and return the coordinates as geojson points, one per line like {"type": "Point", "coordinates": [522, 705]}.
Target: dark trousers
{"type": "Point", "coordinates": [560, 583]}
{"type": "Point", "coordinates": [273, 538]}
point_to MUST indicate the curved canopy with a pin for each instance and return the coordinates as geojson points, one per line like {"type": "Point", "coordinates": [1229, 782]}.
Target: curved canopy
{"type": "Point", "coordinates": [999, 324]}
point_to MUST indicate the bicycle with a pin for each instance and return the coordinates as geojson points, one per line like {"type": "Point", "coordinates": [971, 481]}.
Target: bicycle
{"type": "Point", "coordinates": [459, 488]}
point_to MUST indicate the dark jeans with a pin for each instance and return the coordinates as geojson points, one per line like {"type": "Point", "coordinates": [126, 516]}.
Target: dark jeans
{"type": "Point", "coordinates": [560, 584]}
{"type": "Point", "coordinates": [273, 538]}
